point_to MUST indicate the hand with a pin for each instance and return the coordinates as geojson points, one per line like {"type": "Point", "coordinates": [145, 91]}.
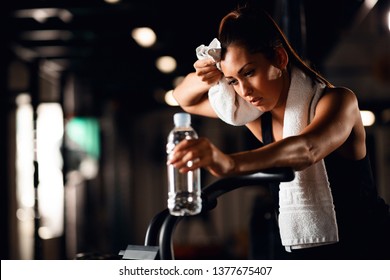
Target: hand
{"type": "Point", "coordinates": [196, 153]}
{"type": "Point", "coordinates": [207, 71]}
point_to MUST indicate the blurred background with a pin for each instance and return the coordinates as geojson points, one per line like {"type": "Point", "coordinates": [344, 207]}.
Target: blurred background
{"type": "Point", "coordinates": [86, 109]}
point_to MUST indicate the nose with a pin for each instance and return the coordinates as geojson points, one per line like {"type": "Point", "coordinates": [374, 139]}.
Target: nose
{"type": "Point", "coordinates": [245, 89]}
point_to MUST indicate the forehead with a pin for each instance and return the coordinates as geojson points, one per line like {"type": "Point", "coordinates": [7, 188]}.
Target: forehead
{"type": "Point", "coordinates": [235, 54]}
{"type": "Point", "coordinates": [236, 57]}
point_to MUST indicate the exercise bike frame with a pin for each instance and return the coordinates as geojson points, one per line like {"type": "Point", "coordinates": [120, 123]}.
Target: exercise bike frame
{"type": "Point", "coordinates": [158, 239]}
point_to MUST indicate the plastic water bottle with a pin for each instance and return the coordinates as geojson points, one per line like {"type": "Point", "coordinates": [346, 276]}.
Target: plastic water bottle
{"type": "Point", "coordinates": [184, 193]}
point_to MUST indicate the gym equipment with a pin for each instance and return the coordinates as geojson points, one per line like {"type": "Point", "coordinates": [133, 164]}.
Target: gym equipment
{"type": "Point", "coordinates": [158, 239]}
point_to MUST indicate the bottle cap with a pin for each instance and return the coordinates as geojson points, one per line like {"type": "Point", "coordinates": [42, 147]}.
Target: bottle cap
{"type": "Point", "coordinates": [182, 119]}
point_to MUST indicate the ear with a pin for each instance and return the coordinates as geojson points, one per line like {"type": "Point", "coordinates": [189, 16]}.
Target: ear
{"type": "Point", "coordinates": [281, 57]}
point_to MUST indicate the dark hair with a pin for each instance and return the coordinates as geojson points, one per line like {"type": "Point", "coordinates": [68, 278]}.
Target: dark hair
{"type": "Point", "coordinates": [258, 32]}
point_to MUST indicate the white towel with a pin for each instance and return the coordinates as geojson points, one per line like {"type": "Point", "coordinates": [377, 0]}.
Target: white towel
{"type": "Point", "coordinates": [307, 217]}
{"type": "Point", "coordinates": [227, 104]}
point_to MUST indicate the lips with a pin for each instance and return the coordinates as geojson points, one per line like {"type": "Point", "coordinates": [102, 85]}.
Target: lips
{"type": "Point", "coordinates": [256, 101]}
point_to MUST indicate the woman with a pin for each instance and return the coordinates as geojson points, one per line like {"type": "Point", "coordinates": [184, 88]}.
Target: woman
{"type": "Point", "coordinates": [257, 61]}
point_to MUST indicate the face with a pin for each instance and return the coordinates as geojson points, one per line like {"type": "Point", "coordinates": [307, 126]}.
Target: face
{"type": "Point", "coordinates": [254, 77]}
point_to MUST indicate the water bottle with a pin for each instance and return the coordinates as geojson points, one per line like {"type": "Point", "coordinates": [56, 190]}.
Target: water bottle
{"type": "Point", "coordinates": [184, 193]}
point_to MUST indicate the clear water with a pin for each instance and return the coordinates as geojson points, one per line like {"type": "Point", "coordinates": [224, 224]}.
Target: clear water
{"type": "Point", "coordinates": [184, 204]}
{"type": "Point", "coordinates": [184, 197]}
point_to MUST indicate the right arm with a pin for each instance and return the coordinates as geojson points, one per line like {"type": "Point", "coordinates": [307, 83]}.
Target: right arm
{"type": "Point", "coordinates": [192, 92]}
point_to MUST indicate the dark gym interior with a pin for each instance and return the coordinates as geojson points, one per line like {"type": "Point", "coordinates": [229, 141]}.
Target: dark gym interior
{"type": "Point", "coordinates": [84, 118]}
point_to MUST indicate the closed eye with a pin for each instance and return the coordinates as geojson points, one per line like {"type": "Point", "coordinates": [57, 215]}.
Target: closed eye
{"type": "Point", "coordinates": [232, 82]}
{"type": "Point", "coordinates": [249, 73]}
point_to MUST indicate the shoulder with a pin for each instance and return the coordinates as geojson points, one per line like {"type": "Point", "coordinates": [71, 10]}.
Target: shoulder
{"type": "Point", "coordinates": [339, 97]}
{"type": "Point", "coordinates": [338, 104]}
{"type": "Point", "coordinates": [339, 93]}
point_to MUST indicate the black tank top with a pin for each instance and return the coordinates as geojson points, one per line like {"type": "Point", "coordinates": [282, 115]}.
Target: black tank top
{"type": "Point", "coordinates": [363, 218]}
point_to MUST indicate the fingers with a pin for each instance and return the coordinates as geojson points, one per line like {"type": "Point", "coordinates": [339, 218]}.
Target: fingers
{"type": "Point", "coordinates": [206, 62]}
{"type": "Point", "coordinates": [190, 154]}
{"type": "Point", "coordinates": [184, 151]}
{"type": "Point", "coordinates": [207, 70]}
{"type": "Point", "coordinates": [204, 67]}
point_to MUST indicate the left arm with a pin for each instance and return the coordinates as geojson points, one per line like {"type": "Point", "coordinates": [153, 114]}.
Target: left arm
{"type": "Point", "coordinates": [337, 119]}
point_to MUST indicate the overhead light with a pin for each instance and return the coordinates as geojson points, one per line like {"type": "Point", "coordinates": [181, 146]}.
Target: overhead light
{"type": "Point", "coordinates": [169, 99]}
{"type": "Point", "coordinates": [64, 15]}
{"type": "Point", "coordinates": [41, 15]}
{"type": "Point", "coordinates": [144, 36]}
{"type": "Point", "coordinates": [112, 1]}
{"type": "Point", "coordinates": [368, 117]}
{"type": "Point", "coordinates": [388, 20]}
{"type": "Point", "coordinates": [46, 35]}
{"type": "Point", "coordinates": [52, 51]}
{"type": "Point", "coordinates": [166, 64]}
{"type": "Point", "coordinates": [370, 3]}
